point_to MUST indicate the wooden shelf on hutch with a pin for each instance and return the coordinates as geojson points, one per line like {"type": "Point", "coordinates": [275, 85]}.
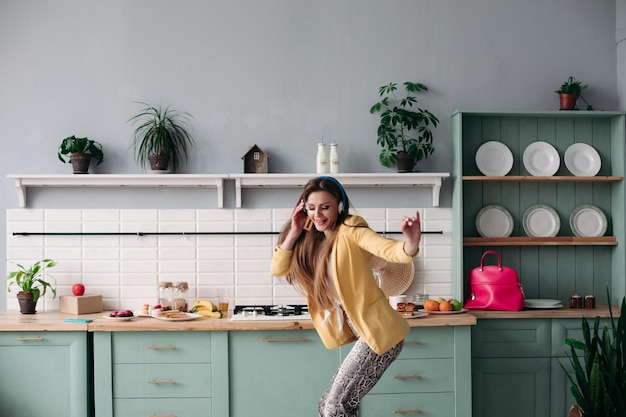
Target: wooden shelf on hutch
{"type": "Point", "coordinates": [408, 180]}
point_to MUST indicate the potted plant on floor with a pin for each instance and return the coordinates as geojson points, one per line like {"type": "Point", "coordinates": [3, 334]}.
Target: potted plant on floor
{"type": "Point", "coordinates": [81, 151]}
{"type": "Point", "coordinates": [162, 135]}
{"type": "Point", "coordinates": [32, 284]}
{"type": "Point", "coordinates": [404, 132]}
{"type": "Point", "coordinates": [569, 93]}
{"type": "Point", "coordinates": [599, 380]}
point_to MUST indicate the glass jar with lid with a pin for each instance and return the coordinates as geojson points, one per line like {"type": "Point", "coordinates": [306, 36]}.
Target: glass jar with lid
{"type": "Point", "coordinates": [164, 297]}
{"type": "Point", "coordinates": [180, 296]}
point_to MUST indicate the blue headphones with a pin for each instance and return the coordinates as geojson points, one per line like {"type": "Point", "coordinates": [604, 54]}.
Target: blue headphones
{"type": "Point", "coordinates": [343, 204]}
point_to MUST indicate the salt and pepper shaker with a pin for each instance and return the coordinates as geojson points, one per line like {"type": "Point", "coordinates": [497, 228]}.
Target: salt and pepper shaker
{"type": "Point", "coordinates": [322, 159]}
{"type": "Point", "coordinates": [334, 158]}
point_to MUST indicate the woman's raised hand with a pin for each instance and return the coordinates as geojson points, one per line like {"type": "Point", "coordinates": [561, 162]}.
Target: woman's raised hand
{"type": "Point", "coordinates": [412, 231]}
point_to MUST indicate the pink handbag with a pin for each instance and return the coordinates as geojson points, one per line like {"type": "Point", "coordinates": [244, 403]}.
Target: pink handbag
{"type": "Point", "coordinates": [494, 287]}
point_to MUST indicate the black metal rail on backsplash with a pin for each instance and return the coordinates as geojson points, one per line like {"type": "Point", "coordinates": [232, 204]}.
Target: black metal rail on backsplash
{"type": "Point", "coordinates": [139, 234]}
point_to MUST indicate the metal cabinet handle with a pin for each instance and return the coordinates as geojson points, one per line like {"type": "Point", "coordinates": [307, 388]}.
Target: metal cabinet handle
{"type": "Point", "coordinates": [161, 347]}
{"type": "Point", "coordinates": [413, 411]}
{"type": "Point", "coordinates": [407, 377]}
{"type": "Point", "coordinates": [169, 415]}
{"type": "Point", "coordinates": [162, 381]}
{"type": "Point", "coordinates": [284, 339]}
{"type": "Point", "coordinates": [412, 342]}
{"type": "Point", "coordinates": [22, 339]}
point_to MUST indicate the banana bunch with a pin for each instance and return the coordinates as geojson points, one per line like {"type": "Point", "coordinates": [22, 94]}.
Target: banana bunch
{"type": "Point", "coordinates": [206, 308]}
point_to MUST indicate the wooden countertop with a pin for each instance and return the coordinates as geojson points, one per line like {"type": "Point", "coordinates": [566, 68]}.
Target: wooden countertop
{"type": "Point", "coordinates": [54, 321]}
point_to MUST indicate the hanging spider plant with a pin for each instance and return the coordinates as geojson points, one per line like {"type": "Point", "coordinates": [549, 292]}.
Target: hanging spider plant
{"type": "Point", "coordinates": [161, 133]}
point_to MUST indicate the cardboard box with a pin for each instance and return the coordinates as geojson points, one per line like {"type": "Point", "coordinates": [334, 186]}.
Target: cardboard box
{"type": "Point", "coordinates": [80, 304]}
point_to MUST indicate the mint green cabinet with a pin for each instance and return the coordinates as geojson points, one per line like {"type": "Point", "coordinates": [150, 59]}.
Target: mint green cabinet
{"type": "Point", "coordinates": [278, 373]}
{"type": "Point", "coordinates": [161, 374]}
{"type": "Point", "coordinates": [45, 374]}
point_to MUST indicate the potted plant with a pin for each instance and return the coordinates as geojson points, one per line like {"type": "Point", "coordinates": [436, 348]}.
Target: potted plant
{"type": "Point", "coordinates": [403, 133]}
{"type": "Point", "coordinates": [81, 151]}
{"type": "Point", "coordinates": [162, 134]}
{"type": "Point", "coordinates": [32, 284]}
{"type": "Point", "coordinates": [599, 380]}
{"type": "Point", "coordinates": [569, 93]}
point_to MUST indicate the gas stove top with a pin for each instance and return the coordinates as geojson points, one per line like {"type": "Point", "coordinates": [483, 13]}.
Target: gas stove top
{"type": "Point", "coordinates": [293, 312]}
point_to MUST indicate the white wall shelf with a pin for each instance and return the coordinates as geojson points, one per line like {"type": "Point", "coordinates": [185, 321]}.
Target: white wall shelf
{"type": "Point", "coordinates": [22, 182]}
{"type": "Point", "coordinates": [406, 180]}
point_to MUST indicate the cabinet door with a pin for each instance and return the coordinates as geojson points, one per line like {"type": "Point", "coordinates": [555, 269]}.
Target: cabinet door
{"type": "Point", "coordinates": [515, 387]}
{"type": "Point", "coordinates": [278, 373]}
{"type": "Point", "coordinates": [49, 368]}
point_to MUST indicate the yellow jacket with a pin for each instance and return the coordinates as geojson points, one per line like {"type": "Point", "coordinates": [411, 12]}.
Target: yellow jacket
{"type": "Point", "coordinates": [379, 325]}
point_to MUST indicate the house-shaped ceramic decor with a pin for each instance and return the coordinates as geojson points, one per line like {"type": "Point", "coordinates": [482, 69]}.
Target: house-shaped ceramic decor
{"type": "Point", "coordinates": [255, 161]}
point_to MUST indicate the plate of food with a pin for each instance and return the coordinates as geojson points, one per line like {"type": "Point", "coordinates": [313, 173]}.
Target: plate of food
{"type": "Point", "coordinates": [541, 220]}
{"type": "Point", "coordinates": [416, 315]}
{"type": "Point", "coordinates": [493, 158]}
{"type": "Point", "coordinates": [588, 220]}
{"type": "Point", "coordinates": [174, 315]}
{"type": "Point", "coordinates": [463, 310]}
{"type": "Point", "coordinates": [494, 221]}
{"type": "Point", "coordinates": [582, 160]}
{"type": "Point", "coordinates": [541, 159]}
{"type": "Point", "coordinates": [120, 316]}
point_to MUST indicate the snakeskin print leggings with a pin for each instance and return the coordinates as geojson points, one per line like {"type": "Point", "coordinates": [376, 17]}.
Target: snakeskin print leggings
{"type": "Point", "coordinates": [356, 376]}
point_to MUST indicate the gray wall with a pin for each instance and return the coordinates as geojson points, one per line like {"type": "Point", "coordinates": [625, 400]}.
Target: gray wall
{"type": "Point", "coordinates": [278, 73]}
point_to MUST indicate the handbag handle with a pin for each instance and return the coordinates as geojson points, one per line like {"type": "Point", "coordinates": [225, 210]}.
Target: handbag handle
{"type": "Point", "coordinates": [490, 252]}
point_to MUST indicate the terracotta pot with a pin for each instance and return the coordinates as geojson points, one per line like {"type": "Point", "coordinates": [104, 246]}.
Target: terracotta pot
{"type": "Point", "coordinates": [568, 101]}
{"type": "Point", "coordinates": [80, 162]}
{"type": "Point", "coordinates": [27, 303]}
{"type": "Point", "coordinates": [159, 162]}
{"type": "Point", "coordinates": [404, 162]}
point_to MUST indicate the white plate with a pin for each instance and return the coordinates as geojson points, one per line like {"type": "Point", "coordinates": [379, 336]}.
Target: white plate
{"type": "Point", "coordinates": [190, 316]}
{"type": "Point", "coordinates": [464, 310]}
{"type": "Point", "coordinates": [541, 302]}
{"type": "Point", "coordinates": [494, 158]}
{"type": "Point", "coordinates": [582, 160]}
{"type": "Point", "coordinates": [541, 159]}
{"type": "Point", "coordinates": [494, 221]}
{"type": "Point", "coordinates": [119, 318]}
{"type": "Point", "coordinates": [588, 221]}
{"type": "Point", "coordinates": [416, 315]}
{"type": "Point", "coordinates": [546, 306]}
{"type": "Point", "coordinates": [541, 220]}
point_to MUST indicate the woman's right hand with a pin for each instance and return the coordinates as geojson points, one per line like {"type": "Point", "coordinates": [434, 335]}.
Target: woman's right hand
{"type": "Point", "coordinates": [298, 220]}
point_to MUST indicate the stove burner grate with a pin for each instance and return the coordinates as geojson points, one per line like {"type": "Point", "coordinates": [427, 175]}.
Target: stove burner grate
{"type": "Point", "coordinates": [271, 310]}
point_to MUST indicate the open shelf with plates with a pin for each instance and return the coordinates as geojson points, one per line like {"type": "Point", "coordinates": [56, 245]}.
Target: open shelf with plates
{"type": "Point", "coordinates": [549, 267]}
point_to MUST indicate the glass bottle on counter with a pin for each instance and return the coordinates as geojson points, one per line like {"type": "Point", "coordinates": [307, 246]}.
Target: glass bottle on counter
{"type": "Point", "coordinates": [164, 297]}
{"type": "Point", "coordinates": [180, 296]}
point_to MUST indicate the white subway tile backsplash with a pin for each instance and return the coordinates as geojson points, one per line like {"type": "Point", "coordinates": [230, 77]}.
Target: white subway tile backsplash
{"type": "Point", "coordinates": [126, 269]}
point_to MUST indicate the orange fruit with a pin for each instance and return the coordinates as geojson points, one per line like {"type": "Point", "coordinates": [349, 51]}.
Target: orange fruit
{"type": "Point", "coordinates": [431, 305]}
{"type": "Point", "coordinates": [445, 306]}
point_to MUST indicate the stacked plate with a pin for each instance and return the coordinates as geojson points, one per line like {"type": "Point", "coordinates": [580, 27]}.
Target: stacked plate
{"type": "Point", "coordinates": [542, 303]}
{"type": "Point", "coordinates": [494, 221]}
{"type": "Point", "coordinates": [588, 220]}
{"type": "Point", "coordinates": [541, 220]}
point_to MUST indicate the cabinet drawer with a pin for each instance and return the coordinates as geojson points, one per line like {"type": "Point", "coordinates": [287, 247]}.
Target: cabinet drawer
{"type": "Point", "coordinates": [163, 407]}
{"type": "Point", "coordinates": [417, 375]}
{"type": "Point", "coordinates": [161, 347]}
{"type": "Point", "coordinates": [161, 380]}
{"type": "Point", "coordinates": [394, 405]}
{"type": "Point", "coordinates": [432, 342]}
{"type": "Point", "coordinates": [39, 338]}
{"type": "Point", "coordinates": [525, 338]}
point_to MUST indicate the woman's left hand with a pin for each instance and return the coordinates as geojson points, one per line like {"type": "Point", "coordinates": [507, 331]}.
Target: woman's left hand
{"type": "Point", "coordinates": [412, 230]}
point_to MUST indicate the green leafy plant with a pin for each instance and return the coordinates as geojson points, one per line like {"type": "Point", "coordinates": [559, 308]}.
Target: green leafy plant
{"type": "Point", "coordinates": [161, 132]}
{"type": "Point", "coordinates": [32, 279]}
{"type": "Point", "coordinates": [599, 380]}
{"type": "Point", "coordinates": [73, 144]}
{"type": "Point", "coordinates": [403, 128]}
{"type": "Point", "coordinates": [575, 87]}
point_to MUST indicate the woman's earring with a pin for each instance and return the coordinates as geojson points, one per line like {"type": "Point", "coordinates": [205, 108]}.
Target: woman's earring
{"type": "Point", "coordinates": [308, 225]}
{"type": "Point", "coordinates": [340, 207]}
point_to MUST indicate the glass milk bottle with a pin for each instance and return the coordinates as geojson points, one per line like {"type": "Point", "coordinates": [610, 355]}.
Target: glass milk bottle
{"type": "Point", "coordinates": [334, 158]}
{"type": "Point", "coordinates": [322, 159]}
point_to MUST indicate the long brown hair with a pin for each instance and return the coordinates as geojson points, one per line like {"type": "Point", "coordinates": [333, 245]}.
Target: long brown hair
{"type": "Point", "coordinates": [311, 253]}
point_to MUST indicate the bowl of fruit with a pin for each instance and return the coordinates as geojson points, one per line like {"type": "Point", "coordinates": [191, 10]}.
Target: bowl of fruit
{"type": "Point", "coordinates": [442, 306]}
{"type": "Point", "coordinates": [121, 315]}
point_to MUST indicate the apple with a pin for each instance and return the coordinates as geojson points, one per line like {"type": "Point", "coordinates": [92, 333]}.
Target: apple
{"type": "Point", "coordinates": [78, 289]}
